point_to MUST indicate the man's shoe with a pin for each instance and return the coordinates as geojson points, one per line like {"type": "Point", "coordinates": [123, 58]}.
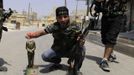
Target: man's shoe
{"type": "Point", "coordinates": [112, 58]}
{"type": "Point", "coordinates": [3, 68]}
{"type": "Point", "coordinates": [104, 65]}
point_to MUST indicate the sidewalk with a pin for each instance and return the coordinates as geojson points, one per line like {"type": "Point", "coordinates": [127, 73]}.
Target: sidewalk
{"type": "Point", "coordinates": [125, 43]}
{"type": "Point", "coordinates": [127, 37]}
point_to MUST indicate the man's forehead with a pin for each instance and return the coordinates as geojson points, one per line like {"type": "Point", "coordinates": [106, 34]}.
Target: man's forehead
{"type": "Point", "coordinates": [63, 16]}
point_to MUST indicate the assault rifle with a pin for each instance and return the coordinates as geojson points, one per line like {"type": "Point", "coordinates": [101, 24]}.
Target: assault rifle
{"type": "Point", "coordinates": [104, 6]}
{"type": "Point", "coordinates": [78, 54]}
{"type": "Point", "coordinates": [5, 15]}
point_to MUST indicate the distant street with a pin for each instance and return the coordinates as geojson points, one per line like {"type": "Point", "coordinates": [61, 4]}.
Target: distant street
{"type": "Point", "coordinates": [13, 55]}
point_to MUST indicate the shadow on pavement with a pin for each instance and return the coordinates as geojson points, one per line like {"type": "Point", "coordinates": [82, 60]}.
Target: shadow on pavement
{"type": "Point", "coordinates": [49, 68]}
{"type": "Point", "coordinates": [2, 62]}
{"type": "Point", "coordinates": [98, 59]}
{"type": "Point", "coordinates": [94, 58]}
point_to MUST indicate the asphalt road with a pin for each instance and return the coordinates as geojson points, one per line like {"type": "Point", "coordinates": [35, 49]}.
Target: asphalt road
{"type": "Point", "coordinates": [13, 55]}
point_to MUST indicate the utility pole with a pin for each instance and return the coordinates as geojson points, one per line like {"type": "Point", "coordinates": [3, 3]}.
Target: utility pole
{"type": "Point", "coordinates": [1, 13]}
{"type": "Point", "coordinates": [131, 15]}
{"type": "Point", "coordinates": [87, 8]}
{"type": "Point", "coordinates": [1, 4]}
{"type": "Point", "coordinates": [28, 15]}
{"type": "Point", "coordinates": [87, 3]}
{"type": "Point", "coordinates": [76, 10]}
{"type": "Point", "coordinates": [66, 3]}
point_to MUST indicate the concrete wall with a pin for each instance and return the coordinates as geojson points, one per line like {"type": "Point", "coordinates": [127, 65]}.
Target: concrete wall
{"type": "Point", "coordinates": [129, 14]}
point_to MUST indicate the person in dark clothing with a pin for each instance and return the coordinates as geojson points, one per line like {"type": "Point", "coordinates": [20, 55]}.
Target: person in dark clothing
{"type": "Point", "coordinates": [65, 36]}
{"type": "Point", "coordinates": [111, 25]}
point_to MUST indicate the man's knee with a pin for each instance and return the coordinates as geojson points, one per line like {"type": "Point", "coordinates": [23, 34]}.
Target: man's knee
{"type": "Point", "coordinates": [109, 41]}
{"type": "Point", "coordinates": [44, 57]}
{"type": "Point", "coordinates": [50, 58]}
{"type": "Point", "coordinates": [47, 55]}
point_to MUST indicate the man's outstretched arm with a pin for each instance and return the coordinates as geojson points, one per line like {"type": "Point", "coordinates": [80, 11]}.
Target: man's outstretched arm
{"type": "Point", "coordinates": [35, 34]}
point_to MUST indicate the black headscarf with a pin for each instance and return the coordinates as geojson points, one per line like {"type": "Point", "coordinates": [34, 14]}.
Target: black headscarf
{"type": "Point", "coordinates": [62, 11]}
